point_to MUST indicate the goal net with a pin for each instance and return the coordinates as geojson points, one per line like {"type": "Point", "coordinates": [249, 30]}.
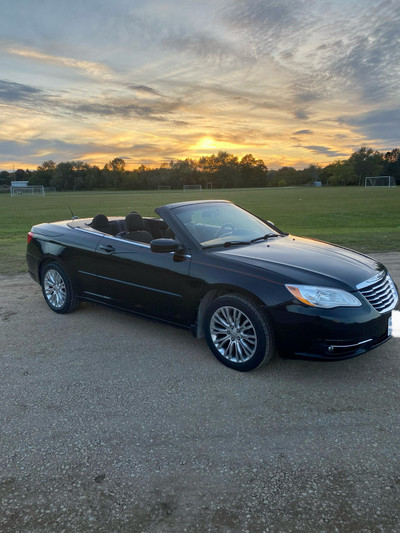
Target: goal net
{"type": "Point", "coordinates": [30, 190]}
{"type": "Point", "coordinates": [380, 181]}
{"type": "Point", "coordinates": [192, 188]}
{"type": "Point", "coordinates": [164, 187]}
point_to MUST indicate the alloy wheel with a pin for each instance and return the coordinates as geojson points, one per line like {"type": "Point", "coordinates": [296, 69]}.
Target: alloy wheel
{"type": "Point", "coordinates": [233, 334]}
{"type": "Point", "coordinates": [55, 289]}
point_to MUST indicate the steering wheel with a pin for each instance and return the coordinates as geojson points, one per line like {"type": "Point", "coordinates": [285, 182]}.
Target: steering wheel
{"type": "Point", "coordinates": [225, 229]}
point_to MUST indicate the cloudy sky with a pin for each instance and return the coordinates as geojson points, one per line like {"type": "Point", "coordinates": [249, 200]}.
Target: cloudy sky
{"type": "Point", "coordinates": [293, 82]}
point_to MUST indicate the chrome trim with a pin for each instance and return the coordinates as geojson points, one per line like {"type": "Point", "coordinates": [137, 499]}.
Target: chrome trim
{"type": "Point", "coordinates": [139, 286]}
{"type": "Point", "coordinates": [335, 346]}
{"type": "Point", "coordinates": [87, 273]}
{"type": "Point", "coordinates": [127, 241]}
{"type": "Point", "coordinates": [371, 281]}
{"type": "Point", "coordinates": [113, 237]}
{"type": "Point", "coordinates": [91, 231]}
{"type": "Point", "coordinates": [126, 283]}
{"type": "Point", "coordinates": [98, 295]}
{"type": "Point", "coordinates": [381, 294]}
{"type": "Point", "coordinates": [136, 243]}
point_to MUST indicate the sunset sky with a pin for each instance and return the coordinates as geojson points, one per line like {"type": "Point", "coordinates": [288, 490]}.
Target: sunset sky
{"type": "Point", "coordinates": [293, 82]}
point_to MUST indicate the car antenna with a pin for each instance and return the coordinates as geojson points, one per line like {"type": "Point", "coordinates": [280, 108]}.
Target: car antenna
{"type": "Point", "coordinates": [74, 217]}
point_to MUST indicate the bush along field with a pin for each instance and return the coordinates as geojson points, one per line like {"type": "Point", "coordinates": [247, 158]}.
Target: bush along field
{"type": "Point", "coordinates": [366, 219]}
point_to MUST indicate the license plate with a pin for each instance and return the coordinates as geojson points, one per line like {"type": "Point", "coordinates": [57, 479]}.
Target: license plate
{"type": "Point", "coordinates": [390, 326]}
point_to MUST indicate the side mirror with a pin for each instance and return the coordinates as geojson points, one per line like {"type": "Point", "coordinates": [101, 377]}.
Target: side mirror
{"type": "Point", "coordinates": [163, 246]}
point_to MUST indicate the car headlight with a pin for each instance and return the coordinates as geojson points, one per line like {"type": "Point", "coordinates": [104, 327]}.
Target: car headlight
{"type": "Point", "coordinates": [324, 297]}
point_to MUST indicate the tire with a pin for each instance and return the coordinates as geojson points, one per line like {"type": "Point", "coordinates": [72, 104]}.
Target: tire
{"type": "Point", "coordinates": [237, 333]}
{"type": "Point", "coordinates": [57, 289]}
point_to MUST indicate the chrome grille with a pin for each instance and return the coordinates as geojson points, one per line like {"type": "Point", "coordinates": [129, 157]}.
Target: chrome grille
{"type": "Point", "coordinates": [380, 292]}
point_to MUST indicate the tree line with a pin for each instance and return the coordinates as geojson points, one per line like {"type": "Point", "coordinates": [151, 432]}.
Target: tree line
{"type": "Point", "coordinates": [222, 170]}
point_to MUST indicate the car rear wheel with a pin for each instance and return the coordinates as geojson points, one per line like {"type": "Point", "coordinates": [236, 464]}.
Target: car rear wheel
{"type": "Point", "coordinates": [57, 289]}
{"type": "Point", "coordinates": [237, 333]}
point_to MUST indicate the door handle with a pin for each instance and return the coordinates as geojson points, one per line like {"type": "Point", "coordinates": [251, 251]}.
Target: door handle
{"type": "Point", "coordinates": [107, 248]}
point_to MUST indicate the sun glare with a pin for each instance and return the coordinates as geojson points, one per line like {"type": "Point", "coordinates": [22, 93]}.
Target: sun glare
{"type": "Point", "coordinates": [206, 144]}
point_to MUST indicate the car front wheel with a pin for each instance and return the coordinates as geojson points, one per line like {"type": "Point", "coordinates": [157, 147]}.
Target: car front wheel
{"type": "Point", "coordinates": [237, 333]}
{"type": "Point", "coordinates": [57, 289]}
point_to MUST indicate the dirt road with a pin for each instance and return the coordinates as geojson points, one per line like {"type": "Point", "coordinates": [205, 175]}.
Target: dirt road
{"type": "Point", "coordinates": [110, 422]}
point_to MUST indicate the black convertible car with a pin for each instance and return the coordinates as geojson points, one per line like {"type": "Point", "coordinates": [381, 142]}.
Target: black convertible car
{"type": "Point", "coordinates": [245, 285]}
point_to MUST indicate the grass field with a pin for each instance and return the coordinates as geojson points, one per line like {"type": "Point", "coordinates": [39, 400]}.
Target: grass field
{"type": "Point", "coordinates": [365, 219]}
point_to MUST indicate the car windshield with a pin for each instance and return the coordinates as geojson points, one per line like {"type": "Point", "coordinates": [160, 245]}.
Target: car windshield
{"type": "Point", "coordinates": [222, 224]}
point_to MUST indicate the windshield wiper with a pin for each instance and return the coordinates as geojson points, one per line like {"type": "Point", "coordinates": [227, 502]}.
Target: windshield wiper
{"type": "Point", "coordinates": [235, 243]}
{"type": "Point", "coordinates": [265, 237]}
{"type": "Point", "coordinates": [227, 244]}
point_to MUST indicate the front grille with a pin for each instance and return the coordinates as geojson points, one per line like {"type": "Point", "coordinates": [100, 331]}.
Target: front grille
{"type": "Point", "coordinates": [380, 292]}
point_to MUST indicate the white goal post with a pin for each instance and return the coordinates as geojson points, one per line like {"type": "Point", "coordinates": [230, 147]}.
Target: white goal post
{"type": "Point", "coordinates": [16, 190]}
{"type": "Point", "coordinates": [380, 181]}
{"type": "Point", "coordinates": [192, 188]}
{"type": "Point", "coordinates": [164, 187]}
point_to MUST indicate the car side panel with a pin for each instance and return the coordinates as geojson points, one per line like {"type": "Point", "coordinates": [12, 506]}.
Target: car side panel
{"type": "Point", "coordinates": [74, 250]}
{"type": "Point", "coordinates": [133, 277]}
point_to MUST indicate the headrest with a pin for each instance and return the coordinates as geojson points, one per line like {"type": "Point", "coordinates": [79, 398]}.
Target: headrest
{"type": "Point", "coordinates": [134, 222]}
{"type": "Point", "coordinates": [99, 221]}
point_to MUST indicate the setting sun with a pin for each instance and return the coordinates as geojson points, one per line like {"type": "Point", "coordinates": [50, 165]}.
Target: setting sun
{"type": "Point", "coordinates": [206, 144]}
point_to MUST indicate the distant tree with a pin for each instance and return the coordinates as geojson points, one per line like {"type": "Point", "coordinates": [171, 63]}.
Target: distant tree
{"type": "Point", "coordinates": [184, 172]}
{"type": "Point", "coordinates": [391, 162]}
{"type": "Point", "coordinates": [94, 178]}
{"type": "Point", "coordinates": [308, 175]}
{"type": "Point", "coordinates": [222, 169]}
{"type": "Point", "coordinates": [5, 178]}
{"type": "Point", "coordinates": [282, 177]}
{"type": "Point", "coordinates": [142, 173]}
{"type": "Point", "coordinates": [366, 162]}
{"type": "Point", "coordinates": [253, 171]}
{"type": "Point", "coordinates": [114, 172]}
{"type": "Point", "coordinates": [19, 175]}
{"type": "Point", "coordinates": [70, 175]}
{"type": "Point", "coordinates": [340, 172]}
{"type": "Point", "coordinates": [116, 165]}
{"type": "Point", "coordinates": [44, 174]}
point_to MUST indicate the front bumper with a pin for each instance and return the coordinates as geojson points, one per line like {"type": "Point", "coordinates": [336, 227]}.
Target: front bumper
{"type": "Point", "coordinates": [329, 334]}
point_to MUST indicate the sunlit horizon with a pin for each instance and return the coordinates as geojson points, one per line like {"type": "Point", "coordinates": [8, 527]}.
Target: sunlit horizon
{"type": "Point", "coordinates": [291, 83]}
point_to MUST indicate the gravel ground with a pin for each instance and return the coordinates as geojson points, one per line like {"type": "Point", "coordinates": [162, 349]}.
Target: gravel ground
{"type": "Point", "coordinates": [110, 422]}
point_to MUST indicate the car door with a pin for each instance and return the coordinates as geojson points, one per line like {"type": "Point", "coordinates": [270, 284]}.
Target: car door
{"type": "Point", "coordinates": [77, 251]}
{"type": "Point", "coordinates": [131, 276]}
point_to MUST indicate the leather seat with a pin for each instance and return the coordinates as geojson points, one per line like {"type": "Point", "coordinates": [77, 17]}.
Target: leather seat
{"type": "Point", "coordinates": [135, 229]}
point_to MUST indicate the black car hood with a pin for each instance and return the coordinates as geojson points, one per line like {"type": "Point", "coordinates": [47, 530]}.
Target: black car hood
{"type": "Point", "coordinates": [306, 261]}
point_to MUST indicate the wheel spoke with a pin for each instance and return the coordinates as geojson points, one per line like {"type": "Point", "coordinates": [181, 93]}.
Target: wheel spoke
{"type": "Point", "coordinates": [55, 289]}
{"type": "Point", "coordinates": [233, 334]}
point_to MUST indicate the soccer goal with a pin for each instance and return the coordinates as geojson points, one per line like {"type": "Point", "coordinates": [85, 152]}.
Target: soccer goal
{"type": "Point", "coordinates": [380, 181]}
{"type": "Point", "coordinates": [30, 190]}
{"type": "Point", "coordinates": [192, 188]}
{"type": "Point", "coordinates": [164, 187]}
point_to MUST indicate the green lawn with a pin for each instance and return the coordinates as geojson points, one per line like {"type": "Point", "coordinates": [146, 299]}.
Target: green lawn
{"type": "Point", "coordinates": [365, 219]}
